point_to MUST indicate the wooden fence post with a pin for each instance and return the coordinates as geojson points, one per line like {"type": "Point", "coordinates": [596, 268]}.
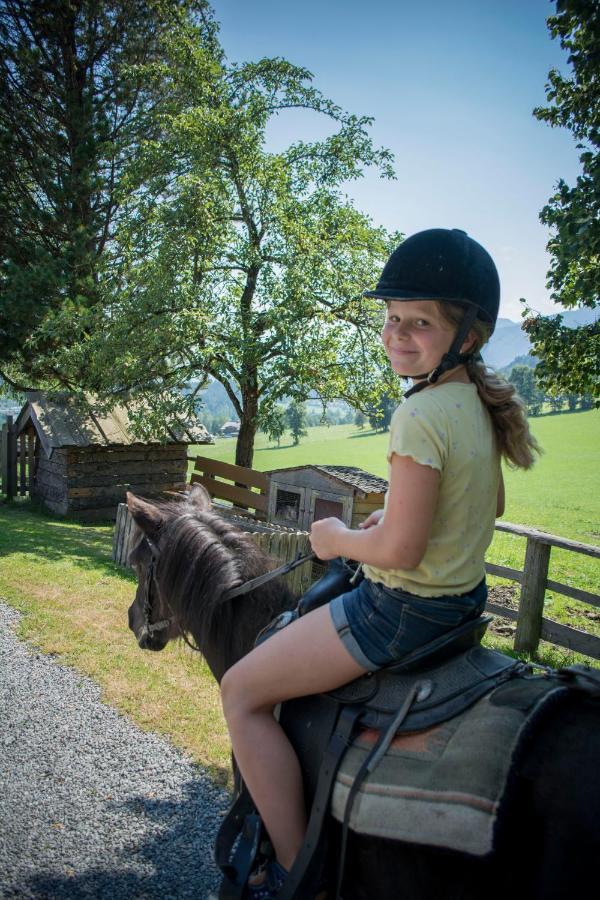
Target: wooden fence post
{"type": "Point", "coordinates": [9, 459]}
{"type": "Point", "coordinates": [531, 606]}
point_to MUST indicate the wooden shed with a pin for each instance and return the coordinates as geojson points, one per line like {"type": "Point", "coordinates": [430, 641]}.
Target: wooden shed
{"type": "Point", "coordinates": [303, 494]}
{"type": "Point", "coordinates": [83, 461]}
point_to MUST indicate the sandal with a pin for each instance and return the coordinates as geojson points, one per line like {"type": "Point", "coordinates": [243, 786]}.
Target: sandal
{"type": "Point", "coordinates": [269, 885]}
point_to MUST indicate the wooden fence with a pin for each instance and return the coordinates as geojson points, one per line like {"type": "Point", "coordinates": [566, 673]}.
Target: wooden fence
{"type": "Point", "coordinates": [17, 461]}
{"type": "Point", "coordinates": [284, 544]}
{"type": "Point", "coordinates": [246, 489]}
{"type": "Point", "coordinates": [531, 622]}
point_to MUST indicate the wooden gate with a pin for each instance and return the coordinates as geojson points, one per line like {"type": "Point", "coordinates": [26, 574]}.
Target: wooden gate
{"type": "Point", "coordinates": [17, 460]}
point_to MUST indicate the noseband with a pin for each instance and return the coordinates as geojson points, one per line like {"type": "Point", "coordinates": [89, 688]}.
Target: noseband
{"type": "Point", "coordinates": [149, 628]}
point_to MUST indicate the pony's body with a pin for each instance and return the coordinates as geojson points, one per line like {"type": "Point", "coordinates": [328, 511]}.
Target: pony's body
{"type": "Point", "coordinates": [550, 847]}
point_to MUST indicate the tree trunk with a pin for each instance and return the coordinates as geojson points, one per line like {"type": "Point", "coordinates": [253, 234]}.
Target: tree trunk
{"type": "Point", "coordinates": [244, 450]}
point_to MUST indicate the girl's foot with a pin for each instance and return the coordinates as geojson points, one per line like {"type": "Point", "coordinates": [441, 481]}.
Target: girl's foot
{"type": "Point", "coordinates": [266, 884]}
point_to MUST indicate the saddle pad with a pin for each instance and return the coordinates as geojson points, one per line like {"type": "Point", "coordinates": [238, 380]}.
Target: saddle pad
{"type": "Point", "coordinates": [445, 786]}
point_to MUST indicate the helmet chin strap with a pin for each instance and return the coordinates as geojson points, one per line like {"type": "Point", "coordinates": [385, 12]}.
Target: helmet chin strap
{"type": "Point", "coordinates": [449, 360]}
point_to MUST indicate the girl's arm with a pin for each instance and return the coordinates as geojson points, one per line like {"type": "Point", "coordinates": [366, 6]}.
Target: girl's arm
{"type": "Point", "coordinates": [398, 542]}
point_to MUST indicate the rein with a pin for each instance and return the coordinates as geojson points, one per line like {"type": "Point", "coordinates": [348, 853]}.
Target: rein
{"type": "Point", "coordinates": [148, 627]}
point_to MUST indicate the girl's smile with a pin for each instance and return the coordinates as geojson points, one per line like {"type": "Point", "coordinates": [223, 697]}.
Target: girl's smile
{"type": "Point", "coordinates": [415, 336]}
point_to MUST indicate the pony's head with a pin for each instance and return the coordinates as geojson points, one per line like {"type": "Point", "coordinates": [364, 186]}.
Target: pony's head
{"type": "Point", "coordinates": [150, 615]}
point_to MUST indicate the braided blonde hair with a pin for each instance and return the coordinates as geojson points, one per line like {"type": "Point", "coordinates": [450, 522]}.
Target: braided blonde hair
{"type": "Point", "coordinates": [515, 441]}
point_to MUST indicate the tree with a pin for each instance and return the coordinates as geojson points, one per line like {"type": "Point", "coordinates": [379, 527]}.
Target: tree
{"type": "Point", "coordinates": [296, 417]}
{"type": "Point", "coordinates": [360, 419]}
{"type": "Point", "coordinates": [380, 413]}
{"type": "Point", "coordinates": [523, 378]}
{"type": "Point", "coordinates": [570, 358]}
{"type": "Point", "coordinates": [244, 264]}
{"type": "Point", "coordinates": [75, 101]}
{"type": "Point", "coordinates": [274, 426]}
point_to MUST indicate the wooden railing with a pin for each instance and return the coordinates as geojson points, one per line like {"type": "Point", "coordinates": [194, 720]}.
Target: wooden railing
{"type": "Point", "coordinates": [531, 622]}
{"type": "Point", "coordinates": [17, 461]}
{"type": "Point", "coordinates": [246, 489]}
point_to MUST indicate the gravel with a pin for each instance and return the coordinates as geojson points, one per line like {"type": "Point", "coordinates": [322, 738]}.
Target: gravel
{"type": "Point", "coordinates": [90, 805]}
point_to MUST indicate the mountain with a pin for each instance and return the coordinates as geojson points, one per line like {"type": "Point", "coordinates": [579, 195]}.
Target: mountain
{"type": "Point", "coordinates": [509, 341]}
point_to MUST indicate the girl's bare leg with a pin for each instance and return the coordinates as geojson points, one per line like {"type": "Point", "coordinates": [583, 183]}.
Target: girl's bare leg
{"type": "Point", "coordinates": [305, 658]}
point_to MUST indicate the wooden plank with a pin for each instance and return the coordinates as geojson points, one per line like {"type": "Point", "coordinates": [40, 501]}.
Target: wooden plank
{"type": "Point", "coordinates": [140, 453]}
{"type": "Point", "coordinates": [22, 464]}
{"type": "Point", "coordinates": [575, 593]}
{"type": "Point", "coordinates": [533, 591]}
{"type": "Point", "coordinates": [572, 638]}
{"type": "Point", "coordinates": [31, 462]}
{"type": "Point", "coordinates": [504, 572]}
{"type": "Point", "coordinates": [11, 457]}
{"type": "Point", "coordinates": [240, 474]}
{"type": "Point", "coordinates": [498, 610]}
{"type": "Point", "coordinates": [127, 477]}
{"type": "Point", "coordinates": [550, 539]}
{"type": "Point", "coordinates": [237, 495]}
{"type": "Point", "coordinates": [118, 490]}
{"type": "Point", "coordinates": [4, 457]}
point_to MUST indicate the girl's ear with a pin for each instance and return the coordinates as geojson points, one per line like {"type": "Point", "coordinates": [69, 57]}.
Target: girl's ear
{"type": "Point", "coordinates": [147, 516]}
{"type": "Point", "coordinates": [468, 342]}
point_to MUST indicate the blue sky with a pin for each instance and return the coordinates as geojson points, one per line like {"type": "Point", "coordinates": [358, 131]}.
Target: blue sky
{"type": "Point", "coordinates": [451, 86]}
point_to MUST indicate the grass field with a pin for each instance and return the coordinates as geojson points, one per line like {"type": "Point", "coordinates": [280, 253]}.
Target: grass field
{"type": "Point", "coordinates": [74, 599]}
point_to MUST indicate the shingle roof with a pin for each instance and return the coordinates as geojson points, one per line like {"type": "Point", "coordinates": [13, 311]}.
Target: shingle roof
{"type": "Point", "coordinates": [63, 421]}
{"type": "Point", "coordinates": [352, 475]}
{"type": "Point", "coordinates": [365, 481]}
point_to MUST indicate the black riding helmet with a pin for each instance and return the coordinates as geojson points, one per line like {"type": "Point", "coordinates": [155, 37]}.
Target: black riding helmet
{"type": "Point", "coordinates": [443, 264]}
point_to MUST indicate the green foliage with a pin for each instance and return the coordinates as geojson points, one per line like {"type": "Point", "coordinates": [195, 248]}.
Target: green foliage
{"type": "Point", "coordinates": [570, 359]}
{"type": "Point", "coordinates": [296, 418]}
{"type": "Point", "coordinates": [243, 264]}
{"type": "Point", "coordinates": [73, 107]}
{"type": "Point", "coordinates": [274, 426]}
{"type": "Point", "coordinates": [380, 413]}
{"type": "Point", "coordinates": [523, 378]}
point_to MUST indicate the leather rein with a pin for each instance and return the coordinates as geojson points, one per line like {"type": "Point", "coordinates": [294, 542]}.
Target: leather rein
{"type": "Point", "coordinates": [149, 627]}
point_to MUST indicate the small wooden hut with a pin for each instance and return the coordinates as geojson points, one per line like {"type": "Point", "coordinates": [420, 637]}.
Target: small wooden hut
{"type": "Point", "coordinates": [84, 461]}
{"type": "Point", "coordinates": [303, 494]}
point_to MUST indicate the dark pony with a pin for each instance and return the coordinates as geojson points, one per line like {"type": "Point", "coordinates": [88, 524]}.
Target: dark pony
{"type": "Point", "coordinates": [199, 556]}
{"type": "Point", "coordinates": [187, 558]}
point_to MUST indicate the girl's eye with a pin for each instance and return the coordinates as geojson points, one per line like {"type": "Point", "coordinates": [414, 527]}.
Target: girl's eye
{"type": "Point", "coordinates": [422, 322]}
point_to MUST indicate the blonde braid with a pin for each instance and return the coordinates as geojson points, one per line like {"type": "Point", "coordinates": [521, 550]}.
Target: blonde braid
{"type": "Point", "coordinates": [507, 411]}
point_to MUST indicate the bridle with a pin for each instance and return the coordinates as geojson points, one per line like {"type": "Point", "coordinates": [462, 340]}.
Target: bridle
{"type": "Point", "coordinates": [149, 628]}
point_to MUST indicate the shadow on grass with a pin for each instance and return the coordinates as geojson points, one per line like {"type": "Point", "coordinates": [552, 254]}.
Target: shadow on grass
{"type": "Point", "coordinates": [162, 848]}
{"type": "Point", "coordinates": [29, 530]}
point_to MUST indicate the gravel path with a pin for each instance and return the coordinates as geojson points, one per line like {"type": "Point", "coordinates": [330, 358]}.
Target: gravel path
{"type": "Point", "coordinates": [90, 806]}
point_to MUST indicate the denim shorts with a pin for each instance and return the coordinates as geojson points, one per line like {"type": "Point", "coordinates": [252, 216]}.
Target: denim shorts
{"type": "Point", "coordinates": [379, 625]}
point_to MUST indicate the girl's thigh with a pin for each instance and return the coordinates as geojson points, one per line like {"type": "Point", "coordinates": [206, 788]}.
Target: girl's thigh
{"type": "Point", "coordinates": [306, 657]}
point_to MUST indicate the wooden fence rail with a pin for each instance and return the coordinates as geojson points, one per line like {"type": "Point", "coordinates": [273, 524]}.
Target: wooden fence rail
{"type": "Point", "coordinates": [285, 544]}
{"type": "Point", "coordinates": [532, 626]}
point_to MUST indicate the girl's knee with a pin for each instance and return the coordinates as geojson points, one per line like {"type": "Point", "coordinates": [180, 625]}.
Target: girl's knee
{"type": "Point", "coordinates": [236, 694]}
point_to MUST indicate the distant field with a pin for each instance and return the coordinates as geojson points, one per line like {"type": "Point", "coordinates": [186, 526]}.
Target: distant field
{"type": "Point", "coordinates": [560, 495]}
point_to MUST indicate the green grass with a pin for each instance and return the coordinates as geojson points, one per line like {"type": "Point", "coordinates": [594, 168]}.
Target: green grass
{"type": "Point", "coordinates": [74, 602]}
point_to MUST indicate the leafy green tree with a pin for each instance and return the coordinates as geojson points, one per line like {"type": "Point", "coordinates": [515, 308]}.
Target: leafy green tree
{"type": "Point", "coordinates": [570, 358]}
{"type": "Point", "coordinates": [244, 264]}
{"type": "Point", "coordinates": [523, 378]}
{"type": "Point", "coordinates": [360, 419]}
{"type": "Point", "coordinates": [274, 426]}
{"type": "Point", "coordinates": [296, 418]}
{"type": "Point", "coordinates": [380, 413]}
{"type": "Point", "coordinates": [73, 106]}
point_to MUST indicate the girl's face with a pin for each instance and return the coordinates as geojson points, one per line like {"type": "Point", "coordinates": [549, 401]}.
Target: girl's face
{"type": "Point", "coordinates": [415, 336]}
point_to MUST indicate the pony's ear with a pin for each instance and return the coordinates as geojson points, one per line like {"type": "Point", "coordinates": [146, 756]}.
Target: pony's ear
{"type": "Point", "coordinates": [147, 516]}
{"type": "Point", "coordinates": [199, 497]}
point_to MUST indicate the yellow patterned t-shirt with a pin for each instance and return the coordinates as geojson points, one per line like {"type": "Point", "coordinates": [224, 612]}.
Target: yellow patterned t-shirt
{"type": "Point", "coordinates": [448, 428]}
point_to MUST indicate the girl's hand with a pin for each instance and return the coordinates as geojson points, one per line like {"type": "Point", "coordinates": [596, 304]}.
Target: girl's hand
{"type": "Point", "coordinates": [325, 537]}
{"type": "Point", "coordinates": [374, 519]}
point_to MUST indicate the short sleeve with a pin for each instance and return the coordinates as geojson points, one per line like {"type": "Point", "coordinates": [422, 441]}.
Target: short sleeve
{"type": "Point", "coordinates": [418, 430]}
